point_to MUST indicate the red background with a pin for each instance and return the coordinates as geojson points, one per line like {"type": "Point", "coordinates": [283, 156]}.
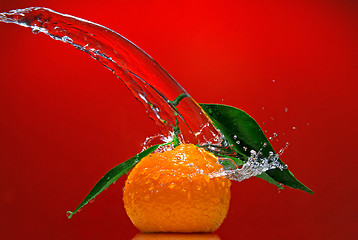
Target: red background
{"type": "Point", "coordinates": [65, 120]}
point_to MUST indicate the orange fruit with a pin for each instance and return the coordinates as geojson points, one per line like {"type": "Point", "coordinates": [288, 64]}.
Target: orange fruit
{"type": "Point", "coordinates": [176, 236]}
{"type": "Point", "coordinates": [175, 191]}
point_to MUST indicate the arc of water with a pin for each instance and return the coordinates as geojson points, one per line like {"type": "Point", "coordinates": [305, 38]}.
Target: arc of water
{"type": "Point", "coordinates": [145, 78]}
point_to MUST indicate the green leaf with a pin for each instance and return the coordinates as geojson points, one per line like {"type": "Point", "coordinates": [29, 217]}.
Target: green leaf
{"type": "Point", "coordinates": [267, 178]}
{"type": "Point", "coordinates": [236, 125]}
{"type": "Point", "coordinates": [112, 176]}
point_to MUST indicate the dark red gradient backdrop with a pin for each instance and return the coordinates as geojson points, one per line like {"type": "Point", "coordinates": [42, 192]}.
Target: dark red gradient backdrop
{"type": "Point", "coordinates": [65, 120]}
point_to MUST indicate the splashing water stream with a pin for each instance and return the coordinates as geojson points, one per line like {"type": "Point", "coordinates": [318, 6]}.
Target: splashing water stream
{"type": "Point", "coordinates": [167, 103]}
{"type": "Point", "coordinates": [145, 78]}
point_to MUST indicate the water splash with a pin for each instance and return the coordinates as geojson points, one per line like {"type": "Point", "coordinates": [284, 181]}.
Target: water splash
{"type": "Point", "coordinates": [159, 139]}
{"type": "Point", "coordinates": [167, 103]}
{"type": "Point", "coordinates": [255, 165]}
{"type": "Point", "coordinates": [144, 77]}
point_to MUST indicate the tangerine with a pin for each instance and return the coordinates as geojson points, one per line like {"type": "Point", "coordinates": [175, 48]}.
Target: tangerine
{"type": "Point", "coordinates": [176, 236]}
{"type": "Point", "coordinates": [175, 191]}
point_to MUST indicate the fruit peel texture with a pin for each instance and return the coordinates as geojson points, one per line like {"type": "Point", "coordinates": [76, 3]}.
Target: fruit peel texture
{"type": "Point", "coordinates": [173, 191]}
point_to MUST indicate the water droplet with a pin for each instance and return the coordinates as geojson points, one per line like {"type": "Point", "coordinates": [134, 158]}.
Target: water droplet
{"type": "Point", "coordinates": [245, 148]}
{"type": "Point", "coordinates": [270, 138]}
{"type": "Point", "coordinates": [265, 144]}
{"type": "Point", "coordinates": [235, 137]}
{"type": "Point", "coordinates": [293, 128]}
{"type": "Point", "coordinates": [68, 213]}
{"type": "Point", "coordinates": [263, 108]}
{"type": "Point", "coordinates": [286, 109]}
{"type": "Point", "coordinates": [35, 30]}
{"type": "Point", "coordinates": [274, 135]}
{"type": "Point", "coordinates": [273, 81]}
{"type": "Point", "coordinates": [237, 142]}
{"type": "Point", "coordinates": [307, 124]}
